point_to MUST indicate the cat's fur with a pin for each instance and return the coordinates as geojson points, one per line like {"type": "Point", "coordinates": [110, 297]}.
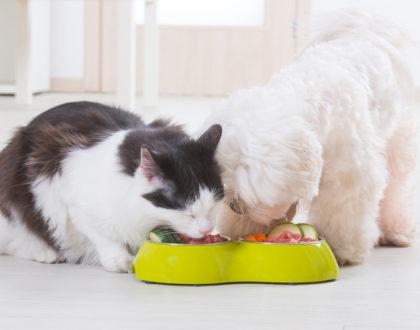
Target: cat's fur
{"type": "Point", "coordinates": [85, 182]}
{"type": "Point", "coordinates": [333, 129]}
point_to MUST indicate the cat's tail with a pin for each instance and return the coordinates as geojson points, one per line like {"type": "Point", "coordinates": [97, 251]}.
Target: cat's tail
{"type": "Point", "coordinates": [380, 31]}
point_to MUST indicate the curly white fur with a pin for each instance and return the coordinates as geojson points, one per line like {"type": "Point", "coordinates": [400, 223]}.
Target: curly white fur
{"type": "Point", "coordinates": [329, 128]}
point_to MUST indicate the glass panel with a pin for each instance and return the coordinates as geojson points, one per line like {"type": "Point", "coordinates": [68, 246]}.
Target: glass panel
{"type": "Point", "coordinates": [207, 12]}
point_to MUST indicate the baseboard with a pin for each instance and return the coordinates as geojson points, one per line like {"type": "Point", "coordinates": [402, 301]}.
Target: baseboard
{"type": "Point", "coordinates": [67, 84]}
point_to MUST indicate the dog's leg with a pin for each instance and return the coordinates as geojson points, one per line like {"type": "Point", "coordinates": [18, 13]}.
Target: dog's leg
{"type": "Point", "coordinates": [396, 216]}
{"type": "Point", "coordinates": [346, 210]}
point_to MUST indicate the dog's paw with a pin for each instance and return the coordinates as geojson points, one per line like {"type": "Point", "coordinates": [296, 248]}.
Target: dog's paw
{"type": "Point", "coordinates": [397, 239]}
{"type": "Point", "coordinates": [350, 257]}
{"type": "Point", "coordinates": [346, 261]}
{"type": "Point", "coordinates": [119, 261]}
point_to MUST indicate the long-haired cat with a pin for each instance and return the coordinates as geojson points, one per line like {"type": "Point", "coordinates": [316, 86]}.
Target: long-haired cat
{"type": "Point", "coordinates": [84, 182]}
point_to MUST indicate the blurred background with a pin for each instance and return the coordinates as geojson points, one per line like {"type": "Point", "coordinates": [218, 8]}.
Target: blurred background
{"type": "Point", "coordinates": [154, 57]}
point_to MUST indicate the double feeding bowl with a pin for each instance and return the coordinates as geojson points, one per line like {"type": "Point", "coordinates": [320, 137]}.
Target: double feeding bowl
{"type": "Point", "coordinates": [235, 262]}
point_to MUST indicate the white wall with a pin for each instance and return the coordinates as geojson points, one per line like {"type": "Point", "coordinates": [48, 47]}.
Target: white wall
{"type": "Point", "coordinates": [405, 13]}
{"type": "Point", "coordinates": [7, 37]}
{"type": "Point", "coordinates": [39, 13]}
{"type": "Point", "coordinates": [39, 16]}
{"type": "Point", "coordinates": [67, 39]}
{"type": "Point", "coordinates": [57, 29]}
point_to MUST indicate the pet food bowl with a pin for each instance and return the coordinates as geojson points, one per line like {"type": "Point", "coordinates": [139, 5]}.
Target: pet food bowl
{"type": "Point", "coordinates": [235, 262]}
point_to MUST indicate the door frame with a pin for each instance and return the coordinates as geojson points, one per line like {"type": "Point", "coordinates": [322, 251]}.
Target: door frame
{"type": "Point", "coordinates": [187, 72]}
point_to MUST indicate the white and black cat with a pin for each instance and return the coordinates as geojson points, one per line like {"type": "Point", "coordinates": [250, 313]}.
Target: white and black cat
{"type": "Point", "coordinates": [85, 182]}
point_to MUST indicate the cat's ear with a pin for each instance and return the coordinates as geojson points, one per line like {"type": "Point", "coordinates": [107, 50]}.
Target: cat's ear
{"type": "Point", "coordinates": [211, 137]}
{"type": "Point", "coordinates": [148, 166]}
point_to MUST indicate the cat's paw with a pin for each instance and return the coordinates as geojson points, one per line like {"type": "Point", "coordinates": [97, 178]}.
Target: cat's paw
{"type": "Point", "coordinates": [119, 261]}
{"type": "Point", "coordinates": [47, 256]}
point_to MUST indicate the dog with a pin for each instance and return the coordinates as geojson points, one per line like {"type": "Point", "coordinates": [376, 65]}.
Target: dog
{"type": "Point", "coordinates": [331, 130]}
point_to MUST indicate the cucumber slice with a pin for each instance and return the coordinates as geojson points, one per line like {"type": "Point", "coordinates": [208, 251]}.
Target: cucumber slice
{"type": "Point", "coordinates": [308, 231]}
{"type": "Point", "coordinates": [287, 226]}
{"type": "Point", "coordinates": [163, 234]}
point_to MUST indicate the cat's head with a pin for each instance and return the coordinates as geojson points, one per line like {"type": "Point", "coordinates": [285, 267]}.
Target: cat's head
{"type": "Point", "coordinates": [184, 182]}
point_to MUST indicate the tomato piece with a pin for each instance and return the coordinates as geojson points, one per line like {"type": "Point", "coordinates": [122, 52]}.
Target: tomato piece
{"type": "Point", "coordinates": [260, 237]}
{"type": "Point", "coordinates": [250, 238]}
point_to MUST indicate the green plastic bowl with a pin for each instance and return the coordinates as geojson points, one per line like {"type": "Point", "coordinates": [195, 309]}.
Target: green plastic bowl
{"type": "Point", "coordinates": [235, 262]}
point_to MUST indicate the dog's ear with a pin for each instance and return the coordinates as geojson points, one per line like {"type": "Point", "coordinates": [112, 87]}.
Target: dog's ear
{"type": "Point", "coordinates": [285, 171]}
{"type": "Point", "coordinates": [291, 212]}
{"type": "Point", "coordinates": [307, 165]}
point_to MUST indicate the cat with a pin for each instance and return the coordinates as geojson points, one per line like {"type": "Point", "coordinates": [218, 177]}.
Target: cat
{"type": "Point", "coordinates": [84, 183]}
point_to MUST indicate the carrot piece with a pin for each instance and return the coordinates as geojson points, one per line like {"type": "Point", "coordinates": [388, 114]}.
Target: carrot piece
{"type": "Point", "coordinates": [250, 238]}
{"type": "Point", "coordinates": [260, 237]}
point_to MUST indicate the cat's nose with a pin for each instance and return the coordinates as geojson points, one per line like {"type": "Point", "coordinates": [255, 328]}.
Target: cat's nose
{"type": "Point", "coordinates": [204, 226]}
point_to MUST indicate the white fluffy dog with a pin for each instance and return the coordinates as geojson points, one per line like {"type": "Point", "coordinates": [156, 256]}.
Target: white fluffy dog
{"type": "Point", "coordinates": [332, 129]}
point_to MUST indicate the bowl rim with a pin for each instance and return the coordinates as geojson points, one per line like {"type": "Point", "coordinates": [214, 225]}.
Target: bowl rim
{"type": "Point", "coordinates": [240, 240]}
{"type": "Point", "coordinates": [320, 240]}
{"type": "Point", "coordinates": [227, 240]}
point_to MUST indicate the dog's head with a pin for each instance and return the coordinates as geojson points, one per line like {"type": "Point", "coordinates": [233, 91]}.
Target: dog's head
{"type": "Point", "coordinates": [275, 170]}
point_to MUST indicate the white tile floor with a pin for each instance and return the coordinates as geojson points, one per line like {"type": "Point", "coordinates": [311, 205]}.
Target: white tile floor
{"type": "Point", "coordinates": [382, 294]}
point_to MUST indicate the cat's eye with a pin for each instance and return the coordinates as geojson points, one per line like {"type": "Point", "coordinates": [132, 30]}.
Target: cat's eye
{"type": "Point", "coordinates": [219, 194]}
